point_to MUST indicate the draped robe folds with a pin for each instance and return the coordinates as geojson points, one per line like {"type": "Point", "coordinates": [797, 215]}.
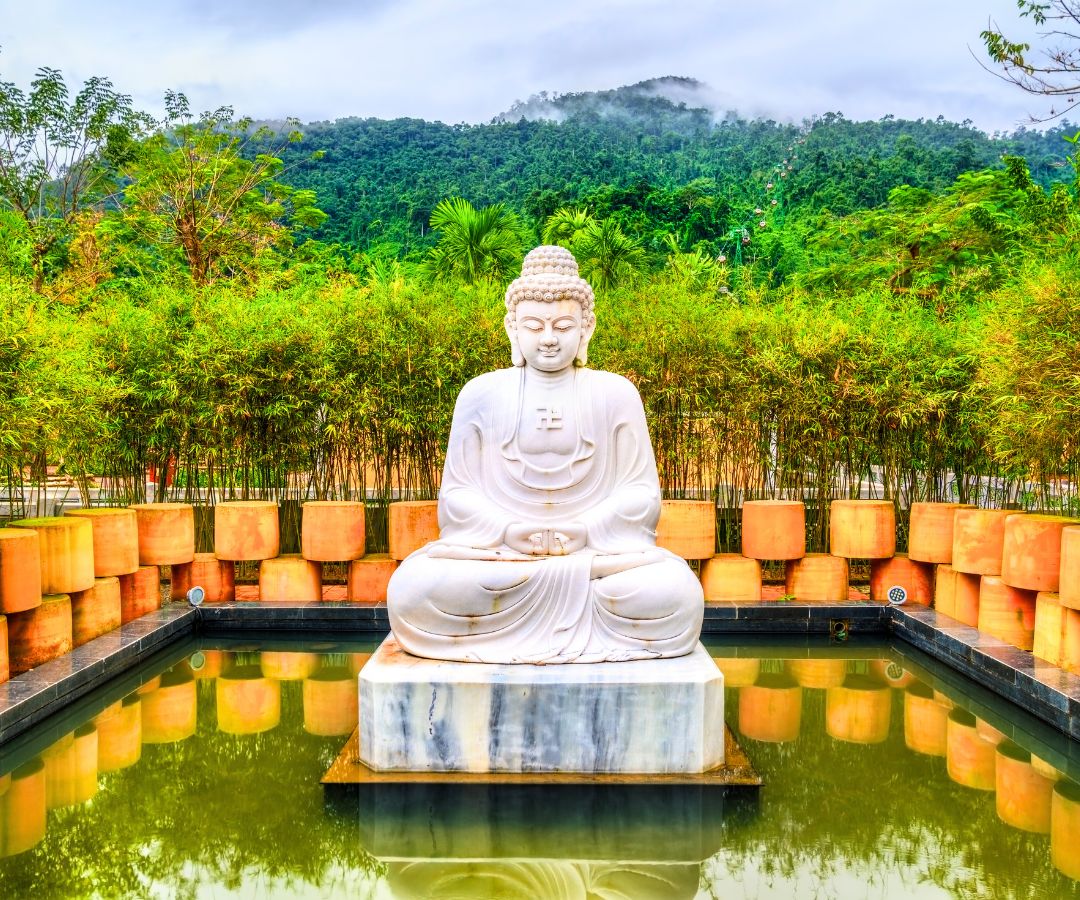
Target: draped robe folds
{"type": "Point", "coordinates": [469, 597]}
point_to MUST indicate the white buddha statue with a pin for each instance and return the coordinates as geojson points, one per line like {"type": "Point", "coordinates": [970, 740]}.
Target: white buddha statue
{"type": "Point", "coordinates": [548, 507]}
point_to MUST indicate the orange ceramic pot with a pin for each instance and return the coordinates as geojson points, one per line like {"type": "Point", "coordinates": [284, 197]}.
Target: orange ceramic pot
{"type": "Point", "coordinates": [413, 523]}
{"type": "Point", "coordinates": [96, 611]}
{"type": "Point", "coordinates": [247, 703]}
{"type": "Point", "coordinates": [332, 530]}
{"type": "Point", "coordinates": [1065, 829]}
{"type": "Point", "coordinates": [930, 534]}
{"type": "Point", "coordinates": [369, 576]}
{"type": "Point", "coordinates": [1045, 769]}
{"type": "Point", "coordinates": [206, 665]}
{"type": "Point", "coordinates": [140, 593]}
{"type": "Point", "coordinates": [738, 671]}
{"type": "Point", "coordinates": [116, 539]}
{"type": "Point", "coordinates": [287, 666]}
{"type": "Point", "coordinates": [916, 578]}
{"type": "Point", "coordinates": [1023, 795]}
{"type": "Point", "coordinates": [166, 533]}
{"type": "Point", "coordinates": [1069, 576]}
{"type": "Point", "coordinates": [39, 634]}
{"type": "Point", "coordinates": [217, 578]}
{"type": "Point", "coordinates": [774, 529]}
{"type": "Point", "coordinates": [687, 528]}
{"type": "Point", "coordinates": [859, 711]}
{"type": "Point", "coordinates": [956, 594]}
{"type": "Point", "coordinates": [170, 712]}
{"type": "Point", "coordinates": [71, 768]}
{"type": "Point", "coordinates": [862, 529]}
{"type": "Point", "coordinates": [1031, 551]}
{"type": "Point", "coordinates": [817, 673]}
{"type": "Point", "coordinates": [890, 672]}
{"type": "Point", "coordinates": [1007, 613]}
{"type": "Point", "coordinates": [988, 732]}
{"type": "Point", "coordinates": [120, 735]}
{"type": "Point", "coordinates": [20, 569]}
{"type": "Point", "coordinates": [732, 578]}
{"type": "Point", "coordinates": [23, 810]}
{"type": "Point", "coordinates": [5, 664]}
{"type": "Point", "coordinates": [1070, 642]}
{"type": "Point", "coordinates": [67, 553]}
{"type": "Point", "coordinates": [771, 710]}
{"type": "Point", "coordinates": [246, 530]}
{"type": "Point", "coordinates": [331, 702]}
{"type": "Point", "coordinates": [1049, 640]}
{"type": "Point", "coordinates": [969, 757]}
{"type": "Point", "coordinates": [925, 721]}
{"type": "Point", "coordinates": [817, 578]}
{"type": "Point", "coordinates": [978, 539]}
{"type": "Point", "coordinates": [291, 579]}
{"type": "Point", "coordinates": [357, 661]}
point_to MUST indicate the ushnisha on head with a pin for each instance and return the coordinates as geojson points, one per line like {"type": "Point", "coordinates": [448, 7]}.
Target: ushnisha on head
{"type": "Point", "coordinates": [549, 275]}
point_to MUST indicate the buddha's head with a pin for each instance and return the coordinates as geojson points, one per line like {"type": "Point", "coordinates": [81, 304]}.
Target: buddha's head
{"type": "Point", "coordinates": [549, 312]}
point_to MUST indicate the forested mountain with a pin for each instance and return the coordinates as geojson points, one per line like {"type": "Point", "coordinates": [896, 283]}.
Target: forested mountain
{"type": "Point", "coordinates": [650, 155]}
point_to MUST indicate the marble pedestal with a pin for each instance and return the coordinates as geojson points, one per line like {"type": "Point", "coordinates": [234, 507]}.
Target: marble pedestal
{"type": "Point", "coordinates": [658, 716]}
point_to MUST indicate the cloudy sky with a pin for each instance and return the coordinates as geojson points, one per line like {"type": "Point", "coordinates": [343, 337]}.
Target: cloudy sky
{"type": "Point", "coordinates": [467, 60]}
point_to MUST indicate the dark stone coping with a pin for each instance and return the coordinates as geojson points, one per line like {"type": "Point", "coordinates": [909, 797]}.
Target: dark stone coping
{"type": "Point", "coordinates": [1047, 693]}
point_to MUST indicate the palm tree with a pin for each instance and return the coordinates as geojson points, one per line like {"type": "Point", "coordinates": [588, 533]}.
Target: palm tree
{"type": "Point", "coordinates": [474, 244]}
{"type": "Point", "coordinates": [606, 255]}
{"type": "Point", "coordinates": [564, 225]}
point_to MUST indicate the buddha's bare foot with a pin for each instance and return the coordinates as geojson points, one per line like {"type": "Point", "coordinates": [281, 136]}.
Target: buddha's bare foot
{"type": "Point", "coordinates": [602, 566]}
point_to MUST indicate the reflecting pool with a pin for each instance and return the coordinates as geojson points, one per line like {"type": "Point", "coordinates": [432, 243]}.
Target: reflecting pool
{"type": "Point", "coordinates": [198, 775]}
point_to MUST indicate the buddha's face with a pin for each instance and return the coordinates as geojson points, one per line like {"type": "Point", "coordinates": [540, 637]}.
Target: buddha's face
{"type": "Point", "coordinates": [549, 334]}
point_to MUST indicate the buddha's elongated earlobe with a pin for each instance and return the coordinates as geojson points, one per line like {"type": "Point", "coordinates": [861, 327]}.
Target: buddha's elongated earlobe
{"type": "Point", "coordinates": [510, 325]}
{"type": "Point", "coordinates": [582, 357]}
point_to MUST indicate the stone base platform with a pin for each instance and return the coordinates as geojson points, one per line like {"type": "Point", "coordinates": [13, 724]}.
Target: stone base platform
{"type": "Point", "coordinates": [658, 716]}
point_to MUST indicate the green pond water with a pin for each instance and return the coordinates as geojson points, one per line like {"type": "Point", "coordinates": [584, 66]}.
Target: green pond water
{"type": "Point", "coordinates": [198, 776]}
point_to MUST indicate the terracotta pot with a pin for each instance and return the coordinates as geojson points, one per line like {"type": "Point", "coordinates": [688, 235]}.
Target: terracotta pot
{"type": "Point", "coordinates": [290, 579]}
{"type": "Point", "coordinates": [357, 661]}
{"type": "Point", "coordinates": [71, 768]}
{"type": "Point", "coordinates": [331, 702]}
{"type": "Point", "coordinates": [969, 757]}
{"type": "Point", "coordinates": [22, 809]}
{"type": "Point", "coordinates": [917, 578]}
{"type": "Point", "coordinates": [862, 529]}
{"type": "Point", "coordinates": [116, 539]}
{"type": "Point", "coordinates": [687, 528]}
{"type": "Point", "coordinates": [166, 533]}
{"type": "Point", "coordinates": [771, 710]}
{"type": "Point", "coordinates": [247, 703]}
{"type": "Point", "coordinates": [217, 578]}
{"type": "Point", "coordinates": [1045, 769]}
{"type": "Point", "coordinates": [5, 664]}
{"type": "Point", "coordinates": [1031, 551]}
{"type": "Point", "coordinates": [170, 712]}
{"type": "Point", "coordinates": [774, 529]}
{"type": "Point", "coordinates": [730, 577]}
{"type": "Point", "coordinates": [890, 672]}
{"type": "Point", "coordinates": [817, 578]}
{"type": "Point", "coordinates": [413, 523]}
{"type": "Point", "coordinates": [1049, 640]}
{"type": "Point", "coordinates": [96, 611]}
{"type": "Point", "coordinates": [1069, 575]}
{"type": "Point", "coordinates": [206, 665]}
{"type": "Point", "coordinates": [39, 634]}
{"type": "Point", "coordinates": [930, 534]}
{"type": "Point", "coordinates": [140, 593]}
{"type": "Point", "coordinates": [67, 553]}
{"type": "Point", "coordinates": [20, 569]}
{"type": "Point", "coordinates": [246, 530]}
{"type": "Point", "coordinates": [1070, 643]}
{"type": "Point", "coordinates": [332, 530]}
{"type": "Point", "coordinates": [988, 732]}
{"type": "Point", "coordinates": [738, 671]}
{"type": "Point", "coordinates": [1007, 613]}
{"type": "Point", "coordinates": [859, 711]}
{"type": "Point", "coordinates": [287, 666]}
{"type": "Point", "coordinates": [369, 576]}
{"type": "Point", "coordinates": [956, 594]}
{"type": "Point", "coordinates": [925, 721]}
{"type": "Point", "coordinates": [120, 735]}
{"type": "Point", "coordinates": [978, 538]}
{"type": "Point", "coordinates": [1023, 795]}
{"type": "Point", "coordinates": [1065, 829]}
{"type": "Point", "coordinates": [817, 673]}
